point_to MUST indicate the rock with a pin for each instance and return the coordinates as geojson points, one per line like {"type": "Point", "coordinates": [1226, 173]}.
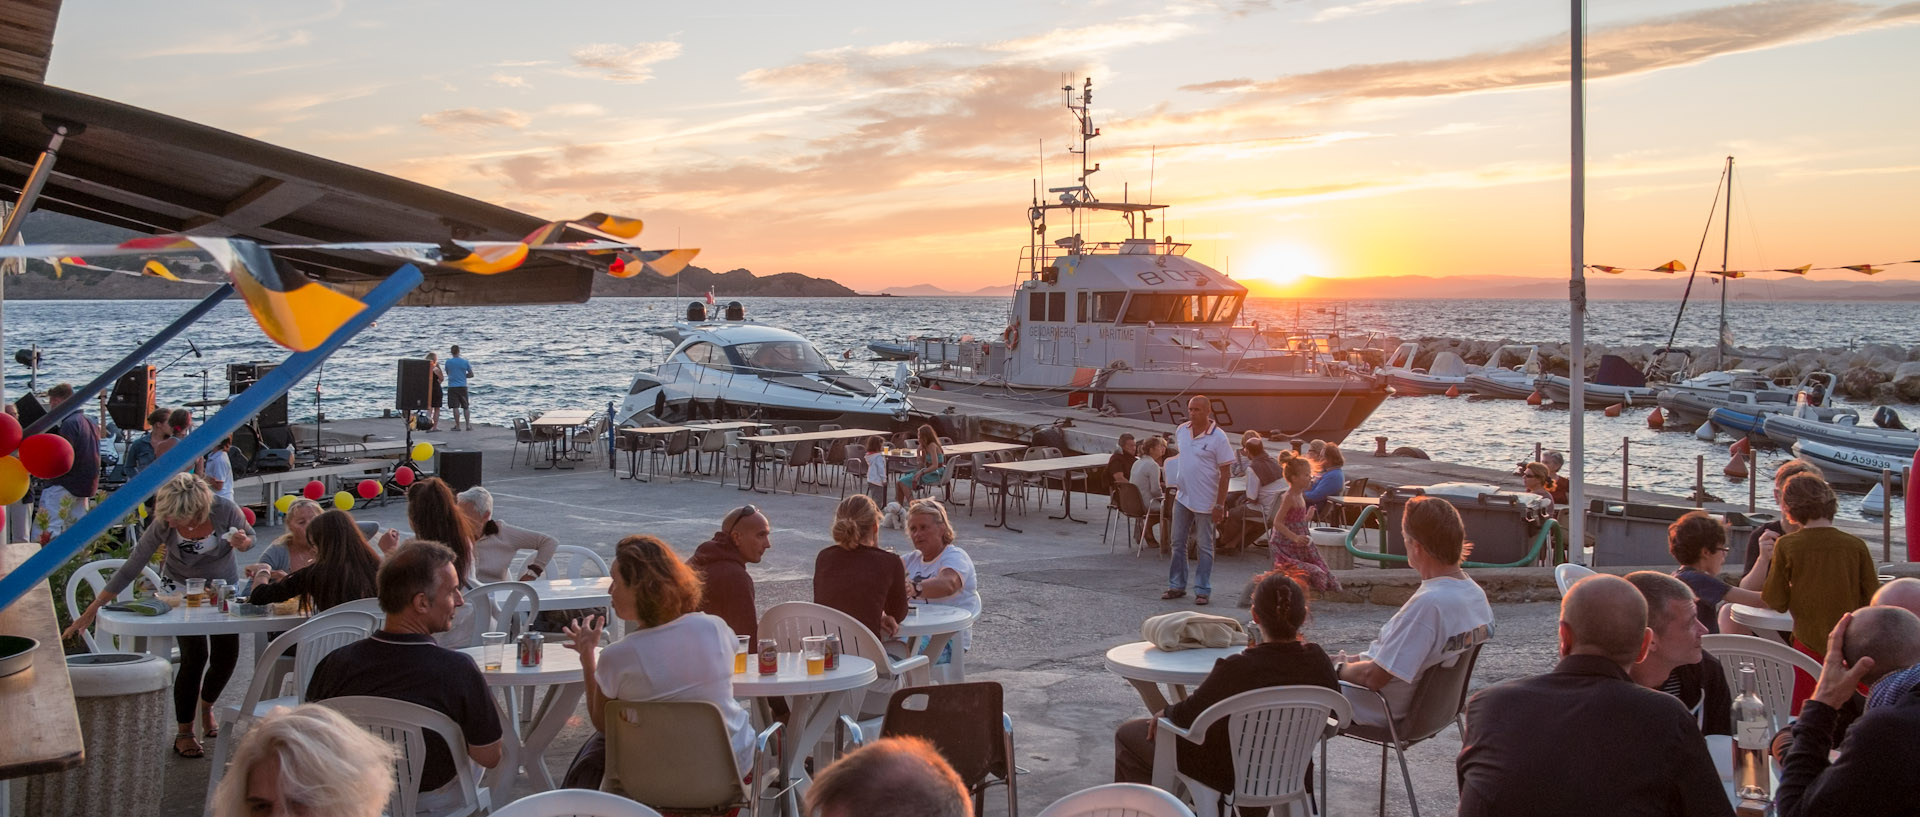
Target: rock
{"type": "Point", "coordinates": [1860, 381]}
{"type": "Point", "coordinates": [1783, 370]}
{"type": "Point", "coordinates": [1885, 394]}
{"type": "Point", "coordinates": [1906, 379]}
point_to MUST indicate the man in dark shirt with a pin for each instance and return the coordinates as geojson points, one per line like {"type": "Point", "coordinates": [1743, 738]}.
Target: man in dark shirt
{"type": "Point", "coordinates": [1874, 775]}
{"type": "Point", "coordinates": [81, 481]}
{"type": "Point", "coordinates": [1638, 752]}
{"type": "Point", "coordinates": [726, 586]}
{"type": "Point", "coordinates": [1674, 662]}
{"type": "Point", "coordinates": [418, 592]}
{"type": "Point", "coordinates": [1120, 465]}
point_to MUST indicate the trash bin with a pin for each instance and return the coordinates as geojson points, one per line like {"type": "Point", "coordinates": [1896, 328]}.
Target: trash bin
{"type": "Point", "coordinates": [1332, 545]}
{"type": "Point", "coordinates": [126, 722]}
{"type": "Point", "coordinates": [1501, 525]}
{"type": "Point", "coordinates": [1632, 534]}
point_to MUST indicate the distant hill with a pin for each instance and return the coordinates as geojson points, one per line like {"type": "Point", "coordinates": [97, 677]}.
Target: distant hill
{"type": "Point", "coordinates": [694, 282]}
{"type": "Point", "coordinates": [931, 291]}
{"type": "Point", "coordinates": [1601, 287]}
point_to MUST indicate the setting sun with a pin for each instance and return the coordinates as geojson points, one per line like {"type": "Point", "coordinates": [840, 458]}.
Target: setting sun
{"type": "Point", "coordinates": [1282, 265]}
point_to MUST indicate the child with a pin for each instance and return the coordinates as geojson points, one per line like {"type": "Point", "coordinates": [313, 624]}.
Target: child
{"type": "Point", "coordinates": [1699, 543]}
{"type": "Point", "coordinates": [876, 470]}
{"type": "Point", "coordinates": [1819, 572]}
{"type": "Point", "coordinates": [219, 470]}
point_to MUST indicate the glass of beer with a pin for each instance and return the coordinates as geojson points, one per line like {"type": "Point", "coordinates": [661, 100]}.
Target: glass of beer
{"type": "Point", "coordinates": [195, 589]}
{"type": "Point", "coordinates": [493, 651]}
{"type": "Point", "coordinates": [742, 645]}
{"type": "Point", "coordinates": [814, 648]}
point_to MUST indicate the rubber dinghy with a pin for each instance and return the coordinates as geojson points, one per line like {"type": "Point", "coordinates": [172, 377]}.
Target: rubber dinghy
{"type": "Point", "coordinates": [1786, 429]}
{"type": "Point", "coordinates": [1617, 381]}
{"type": "Point", "coordinates": [1851, 466]}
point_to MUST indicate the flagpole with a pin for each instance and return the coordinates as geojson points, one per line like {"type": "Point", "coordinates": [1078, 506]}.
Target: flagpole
{"type": "Point", "coordinates": [1577, 298]}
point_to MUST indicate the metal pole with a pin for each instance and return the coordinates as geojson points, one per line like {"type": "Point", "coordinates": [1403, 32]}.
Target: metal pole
{"type": "Point", "coordinates": [1626, 466]}
{"type": "Point", "coordinates": [36, 569]}
{"type": "Point", "coordinates": [1886, 514]}
{"type": "Point", "coordinates": [1753, 479]}
{"type": "Point", "coordinates": [134, 358]}
{"type": "Point", "coordinates": [1536, 452]}
{"type": "Point", "coordinates": [1699, 480]}
{"type": "Point", "coordinates": [1720, 344]}
{"type": "Point", "coordinates": [1577, 291]}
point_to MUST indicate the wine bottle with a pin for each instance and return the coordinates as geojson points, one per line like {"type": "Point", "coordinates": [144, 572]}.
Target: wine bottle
{"type": "Point", "coordinates": [1753, 729]}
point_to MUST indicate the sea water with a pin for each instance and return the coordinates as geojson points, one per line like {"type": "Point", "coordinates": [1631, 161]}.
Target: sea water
{"type": "Point", "coordinates": [535, 358]}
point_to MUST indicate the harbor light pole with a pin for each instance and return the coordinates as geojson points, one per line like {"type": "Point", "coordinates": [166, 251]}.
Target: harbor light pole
{"type": "Point", "coordinates": [1577, 298]}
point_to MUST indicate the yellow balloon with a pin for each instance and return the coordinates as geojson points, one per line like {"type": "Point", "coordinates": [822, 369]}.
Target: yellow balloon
{"type": "Point", "coordinates": [343, 501]}
{"type": "Point", "coordinates": [422, 452]}
{"type": "Point", "coordinates": [13, 480]}
{"type": "Point", "coordinates": [283, 503]}
{"type": "Point", "coordinates": [141, 509]}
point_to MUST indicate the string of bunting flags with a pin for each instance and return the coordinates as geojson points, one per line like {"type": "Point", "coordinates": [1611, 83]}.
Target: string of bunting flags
{"type": "Point", "coordinates": [299, 313]}
{"type": "Point", "coordinates": [1679, 266]}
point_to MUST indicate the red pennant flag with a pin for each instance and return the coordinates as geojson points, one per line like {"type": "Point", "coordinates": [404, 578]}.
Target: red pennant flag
{"type": "Point", "coordinates": [1671, 267]}
{"type": "Point", "coordinates": [1799, 270]}
{"type": "Point", "coordinates": [1606, 269]}
{"type": "Point", "coordinates": [1863, 269]}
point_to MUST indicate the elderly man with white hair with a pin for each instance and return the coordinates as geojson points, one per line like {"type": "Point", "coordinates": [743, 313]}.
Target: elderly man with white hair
{"type": "Point", "coordinates": [493, 552]}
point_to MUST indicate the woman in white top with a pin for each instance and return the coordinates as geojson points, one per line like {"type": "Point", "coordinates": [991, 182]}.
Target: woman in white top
{"type": "Point", "coordinates": [675, 653]}
{"type": "Point", "coordinates": [1446, 616]}
{"type": "Point", "coordinates": [938, 571]}
{"type": "Point", "coordinates": [1146, 475]}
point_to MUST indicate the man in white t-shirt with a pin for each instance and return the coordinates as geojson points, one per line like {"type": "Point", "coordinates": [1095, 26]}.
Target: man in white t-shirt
{"type": "Point", "coordinates": [1199, 478]}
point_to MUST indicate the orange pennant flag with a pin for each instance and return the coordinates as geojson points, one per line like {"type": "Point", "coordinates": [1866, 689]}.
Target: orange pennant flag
{"type": "Point", "coordinates": [1863, 269]}
{"type": "Point", "coordinates": [1671, 266]}
{"type": "Point", "coordinates": [1606, 269]}
{"type": "Point", "coordinates": [1799, 270]}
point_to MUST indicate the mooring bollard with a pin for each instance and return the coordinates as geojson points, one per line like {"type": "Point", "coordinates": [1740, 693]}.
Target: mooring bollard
{"type": "Point", "coordinates": [1380, 446]}
{"type": "Point", "coordinates": [1536, 452]}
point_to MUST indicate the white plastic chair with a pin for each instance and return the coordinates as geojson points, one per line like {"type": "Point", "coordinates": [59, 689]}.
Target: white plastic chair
{"type": "Point", "coordinates": [404, 726]}
{"type": "Point", "coordinates": [574, 803]}
{"type": "Point", "coordinates": [1272, 732]}
{"type": "Point", "coordinates": [370, 606]}
{"type": "Point", "coordinates": [788, 622]}
{"type": "Point", "coordinates": [317, 637]}
{"type": "Point", "coordinates": [1773, 663]}
{"type": "Point", "coordinates": [95, 575]}
{"type": "Point", "coordinates": [568, 562]}
{"type": "Point", "coordinates": [500, 607]}
{"type": "Point", "coordinates": [1565, 575]}
{"type": "Point", "coordinates": [1118, 800]}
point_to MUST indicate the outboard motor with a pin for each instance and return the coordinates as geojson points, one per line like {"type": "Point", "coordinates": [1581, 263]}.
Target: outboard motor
{"type": "Point", "coordinates": [1886, 417]}
{"type": "Point", "coordinates": [736, 312]}
{"type": "Point", "coordinates": [696, 312]}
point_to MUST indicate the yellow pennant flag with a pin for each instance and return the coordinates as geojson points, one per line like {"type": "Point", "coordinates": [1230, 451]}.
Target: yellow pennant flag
{"type": "Point", "coordinates": [1671, 266]}
{"type": "Point", "coordinates": [1863, 269]}
{"type": "Point", "coordinates": [1606, 269]}
{"type": "Point", "coordinates": [158, 270]}
{"type": "Point", "coordinates": [1799, 270]}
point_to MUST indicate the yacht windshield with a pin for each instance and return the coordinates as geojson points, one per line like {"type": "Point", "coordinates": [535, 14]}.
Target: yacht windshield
{"type": "Point", "coordinates": [1164, 308]}
{"type": "Point", "coordinates": [780, 356]}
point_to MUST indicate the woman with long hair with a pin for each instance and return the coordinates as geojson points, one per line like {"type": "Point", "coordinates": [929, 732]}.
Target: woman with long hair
{"type": "Point", "coordinates": [343, 570]}
{"type": "Point", "coordinates": [928, 470]}
{"type": "Point", "coordinates": [198, 533]}
{"type": "Point", "coordinates": [435, 515]}
{"type": "Point", "coordinates": [675, 652]}
{"type": "Point", "coordinates": [853, 575]}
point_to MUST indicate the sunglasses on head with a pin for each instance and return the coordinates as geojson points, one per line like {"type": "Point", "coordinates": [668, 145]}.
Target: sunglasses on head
{"type": "Point", "coordinates": [742, 512]}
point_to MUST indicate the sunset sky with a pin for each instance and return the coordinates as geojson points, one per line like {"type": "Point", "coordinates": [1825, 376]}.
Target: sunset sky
{"type": "Point", "coordinates": [883, 144]}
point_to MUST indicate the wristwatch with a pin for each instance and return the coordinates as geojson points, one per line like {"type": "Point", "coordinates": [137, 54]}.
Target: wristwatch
{"type": "Point", "coordinates": [916, 588]}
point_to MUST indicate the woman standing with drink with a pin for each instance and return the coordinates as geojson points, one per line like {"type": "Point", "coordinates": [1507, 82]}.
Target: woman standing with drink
{"type": "Point", "coordinates": [199, 533]}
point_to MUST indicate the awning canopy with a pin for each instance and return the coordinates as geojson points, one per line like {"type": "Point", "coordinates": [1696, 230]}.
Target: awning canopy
{"type": "Point", "coordinates": [146, 171]}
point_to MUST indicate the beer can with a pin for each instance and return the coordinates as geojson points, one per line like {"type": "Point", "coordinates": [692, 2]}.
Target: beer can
{"type": "Point", "coordinates": [769, 656]}
{"type": "Point", "coordinates": [532, 648]}
{"type": "Point", "coordinates": [833, 651]}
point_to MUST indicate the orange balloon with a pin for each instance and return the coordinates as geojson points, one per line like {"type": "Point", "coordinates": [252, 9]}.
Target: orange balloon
{"type": "Point", "coordinates": [13, 480]}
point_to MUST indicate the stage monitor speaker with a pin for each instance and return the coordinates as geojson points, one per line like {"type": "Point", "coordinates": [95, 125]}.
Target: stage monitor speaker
{"type": "Point", "coordinates": [132, 399]}
{"type": "Point", "coordinates": [412, 385]}
{"type": "Point", "coordinates": [29, 408]}
{"type": "Point", "coordinates": [275, 436]}
{"type": "Point", "coordinates": [460, 469]}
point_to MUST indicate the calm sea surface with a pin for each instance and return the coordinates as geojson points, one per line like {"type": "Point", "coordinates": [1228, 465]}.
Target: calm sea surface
{"type": "Point", "coordinates": [541, 357]}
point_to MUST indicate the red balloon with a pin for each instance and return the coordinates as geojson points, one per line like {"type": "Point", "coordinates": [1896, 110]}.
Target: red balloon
{"type": "Point", "coordinates": [248, 513]}
{"type": "Point", "coordinates": [314, 490]}
{"type": "Point", "coordinates": [46, 455]}
{"type": "Point", "coordinates": [403, 476]}
{"type": "Point", "coordinates": [10, 432]}
{"type": "Point", "coordinates": [369, 489]}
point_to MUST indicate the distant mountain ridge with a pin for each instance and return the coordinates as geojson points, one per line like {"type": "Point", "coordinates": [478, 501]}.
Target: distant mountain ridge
{"type": "Point", "coordinates": [1601, 287]}
{"type": "Point", "coordinates": [931, 291]}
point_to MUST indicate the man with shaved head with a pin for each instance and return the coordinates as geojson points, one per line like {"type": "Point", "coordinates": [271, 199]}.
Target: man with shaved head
{"type": "Point", "coordinates": [1640, 751]}
{"type": "Point", "coordinates": [1875, 773]}
{"type": "Point", "coordinates": [1903, 593]}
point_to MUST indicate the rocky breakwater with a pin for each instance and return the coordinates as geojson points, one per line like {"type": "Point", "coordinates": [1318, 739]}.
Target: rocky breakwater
{"type": "Point", "coordinates": [1874, 372]}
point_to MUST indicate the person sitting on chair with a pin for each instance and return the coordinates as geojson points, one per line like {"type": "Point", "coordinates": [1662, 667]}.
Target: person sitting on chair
{"type": "Point", "coordinates": [498, 542]}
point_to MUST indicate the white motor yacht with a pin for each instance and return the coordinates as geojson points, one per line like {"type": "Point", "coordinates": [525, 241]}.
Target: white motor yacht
{"type": "Point", "coordinates": [740, 369]}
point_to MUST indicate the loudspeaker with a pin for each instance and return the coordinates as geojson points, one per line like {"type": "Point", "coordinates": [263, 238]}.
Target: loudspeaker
{"type": "Point", "coordinates": [241, 376]}
{"type": "Point", "coordinates": [273, 459]}
{"type": "Point", "coordinates": [460, 469]}
{"type": "Point", "coordinates": [132, 399]}
{"type": "Point", "coordinates": [276, 436]}
{"type": "Point", "coordinates": [29, 408]}
{"type": "Point", "coordinates": [411, 386]}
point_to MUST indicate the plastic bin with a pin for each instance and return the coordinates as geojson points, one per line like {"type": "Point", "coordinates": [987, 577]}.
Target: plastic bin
{"type": "Point", "coordinates": [126, 718]}
{"type": "Point", "coordinates": [1500, 525]}
{"type": "Point", "coordinates": [1627, 534]}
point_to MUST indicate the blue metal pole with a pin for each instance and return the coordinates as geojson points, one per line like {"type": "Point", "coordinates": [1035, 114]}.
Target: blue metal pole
{"type": "Point", "coordinates": [84, 395]}
{"type": "Point", "coordinates": [117, 505]}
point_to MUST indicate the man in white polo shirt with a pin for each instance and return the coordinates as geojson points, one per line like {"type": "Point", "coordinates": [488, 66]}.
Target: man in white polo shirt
{"type": "Point", "coordinates": [1199, 478]}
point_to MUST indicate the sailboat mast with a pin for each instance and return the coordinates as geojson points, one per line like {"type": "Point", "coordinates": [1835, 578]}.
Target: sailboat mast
{"type": "Point", "coordinates": [1726, 240]}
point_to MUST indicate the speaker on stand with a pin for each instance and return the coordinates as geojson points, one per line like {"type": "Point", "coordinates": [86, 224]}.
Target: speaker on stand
{"type": "Point", "coordinates": [131, 399]}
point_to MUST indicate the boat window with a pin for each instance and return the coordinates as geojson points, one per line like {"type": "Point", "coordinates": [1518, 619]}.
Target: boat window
{"type": "Point", "coordinates": [779, 356]}
{"type": "Point", "coordinates": [1081, 299]}
{"type": "Point", "coordinates": [708, 355]}
{"type": "Point", "coordinates": [1056, 306]}
{"type": "Point", "coordinates": [1106, 306]}
{"type": "Point", "coordinates": [1189, 309]}
{"type": "Point", "coordinates": [1036, 306]}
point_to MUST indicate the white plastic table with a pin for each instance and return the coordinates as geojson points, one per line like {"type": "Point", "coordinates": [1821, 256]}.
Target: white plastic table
{"type": "Point", "coordinates": [813, 701]}
{"type": "Point", "coordinates": [929, 627]}
{"type": "Point", "coordinates": [1148, 667]}
{"type": "Point", "coordinates": [184, 620]}
{"type": "Point", "coordinates": [1721, 748]}
{"type": "Point", "coordinates": [573, 594]}
{"type": "Point", "coordinates": [559, 672]}
{"type": "Point", "coordinates": [1761, 618]}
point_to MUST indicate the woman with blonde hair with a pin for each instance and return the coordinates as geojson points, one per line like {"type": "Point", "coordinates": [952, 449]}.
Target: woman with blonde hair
{"type": "Point", "coordinates": [675, 652]}
{"type": "Point", "coordinates": [853, 575]}
{"type": "Point", "coordinates": [292, 550]}
{"type": "Point", "coordinates": [938, 571]}
{"type": "Point", "coordinates": [199, 533]}
{"type": "Point", "coordinates": [930, 468]}
{"type": "Point", "coordinates": [308, 760]}
{"type": "Point", "coordinates": [1447, 615]}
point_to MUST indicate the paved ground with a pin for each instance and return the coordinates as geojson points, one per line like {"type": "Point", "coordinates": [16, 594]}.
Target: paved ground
{"type": "Point", "coordinates": [1055, 600]}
